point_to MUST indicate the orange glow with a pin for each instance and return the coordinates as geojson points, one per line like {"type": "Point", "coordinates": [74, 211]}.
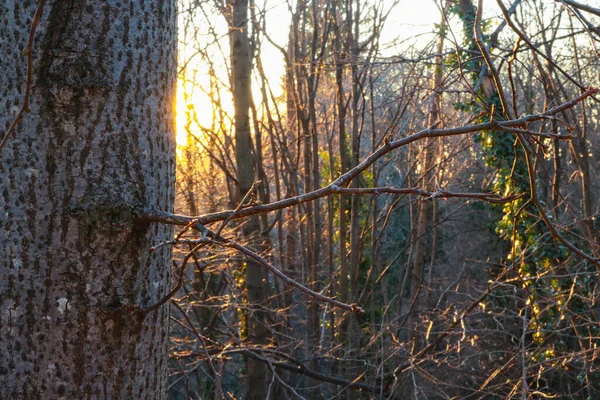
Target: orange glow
{"type": "Point", "coordinates": [190, 102]}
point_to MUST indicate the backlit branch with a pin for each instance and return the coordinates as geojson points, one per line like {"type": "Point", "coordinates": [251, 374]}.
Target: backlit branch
{"type": "Point", "coordinates": [580, 6]}
{"type": "Point", "coordinates": [339, 186]}
{"type": "Point", "coordinates": [211, 237]}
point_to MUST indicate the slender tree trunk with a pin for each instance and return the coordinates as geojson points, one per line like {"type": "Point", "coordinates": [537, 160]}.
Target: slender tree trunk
{"type": "Point", "coordinates": [255, 277]}
{"type": "Point", "coordinates": [95, 150]}
{"type": "Point", "coordinates": [355, 229]}
{"type": "Point", "coordinates": [425, 206]}
{"type": "Point", "coordinates": [583, 159]}
{"type": "Point", "coordinates": [343, 148]}
{"type": "Point", "coordinates": [553, 98]}
{"type": "Point", "coordinates": [312, 79]}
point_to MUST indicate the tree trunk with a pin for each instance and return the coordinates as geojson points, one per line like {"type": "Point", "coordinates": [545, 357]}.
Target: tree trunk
{"type": "Point", "coordinates": [583, 159]}
{"type": "Point", "coordinates": [95, 150]}
{"type": "Point", "coordinates": [343, 318]}
{"type": "Point", "coordinates": [241, 67]}
{"type": "Point", "coordinates": [425, 206]}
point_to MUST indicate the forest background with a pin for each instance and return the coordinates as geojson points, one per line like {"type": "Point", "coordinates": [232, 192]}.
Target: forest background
{"type": "Point", "coordinates": [374, 199]}
{"type": "Point", "coordinates": [474, 256]}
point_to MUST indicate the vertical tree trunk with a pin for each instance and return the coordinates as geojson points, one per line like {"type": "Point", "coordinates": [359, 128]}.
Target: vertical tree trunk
{"type": "Point", "coordinates": [96, 149]}
{"type": "Point", "coordinates": [354, 333]}
{"type": "Point", "coordinates": [546, 73]}
{"type": "Point", "coordinates": [343, 147]}
{"type": "Point", "coordinates": [583, 159]}
{"type": "Point", "coordinates": [345, 162]}
{"type": "Point", "coordinates": [312, 78]}
{"type": "Point", "coordinates": [241, 66]}
{"type": "Point", "coordinates": [425, 206]}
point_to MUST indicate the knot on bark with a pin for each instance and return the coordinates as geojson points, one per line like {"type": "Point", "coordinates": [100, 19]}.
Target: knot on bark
{"type": "Point", "coordinates": [108, 215]}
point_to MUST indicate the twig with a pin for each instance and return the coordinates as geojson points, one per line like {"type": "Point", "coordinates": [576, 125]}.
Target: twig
{"type": "Point", "coordinates": [401, 368]}
{"type": "Point", "coordinates": [581, 6]}
{"type": "Point", "coordinates": [487, 197]}
{"type": "Point", "coordinates": [27, 51]}
{"type": "Point", "coordinates": [192, 223]}
{"type": "Point", "coordinates": [355, 308]}
{"type": "Point", "coordinates": [218, 387]}
{"type": "Point", "coordinates": [535, 200]}
{"type": "Point", "coordinates": [298, 367]}
{"type": "Point", "coordinates": [201, 243]}
{"type": "Point", "coordinates": [223, 242]}
{"type": "Point", "coordinates": [533, 48]}
{"type": "Point", "coordinates": [248, 194]}
{"type": "Point", "coordinates": [546, 135]}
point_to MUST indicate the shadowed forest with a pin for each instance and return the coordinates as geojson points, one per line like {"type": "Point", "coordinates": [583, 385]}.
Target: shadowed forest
{"type": "Point", "coordinates": [409, 216]}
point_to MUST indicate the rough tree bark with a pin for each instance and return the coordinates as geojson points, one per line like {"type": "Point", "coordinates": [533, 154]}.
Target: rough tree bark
{"type": "Point", "coordinates": [95, 150]}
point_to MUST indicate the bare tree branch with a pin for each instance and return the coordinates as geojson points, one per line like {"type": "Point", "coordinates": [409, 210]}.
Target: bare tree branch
{"type": "Point", "coordinates": [580, 6]}
{"type": "Point", "coordinates": [211, 237]}
{"type": "Point", "coordinates": [338, 186]}
{"type": "Point", "coordinates": [28, 52]}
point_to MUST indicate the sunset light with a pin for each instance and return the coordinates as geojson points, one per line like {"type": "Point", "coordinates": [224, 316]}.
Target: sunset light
{"type": "Point", "coordinates": [362, 199]}
{"type": "Point", "coordinates": [410, 27]}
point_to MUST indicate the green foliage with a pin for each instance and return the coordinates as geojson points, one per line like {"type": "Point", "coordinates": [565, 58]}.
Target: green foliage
{"type": "Point", "coordinates": [534, 254]}
{"type": "Point", "coordinates": [326, 172]}
{"type": "Point", "coordinates": [239, 274]}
